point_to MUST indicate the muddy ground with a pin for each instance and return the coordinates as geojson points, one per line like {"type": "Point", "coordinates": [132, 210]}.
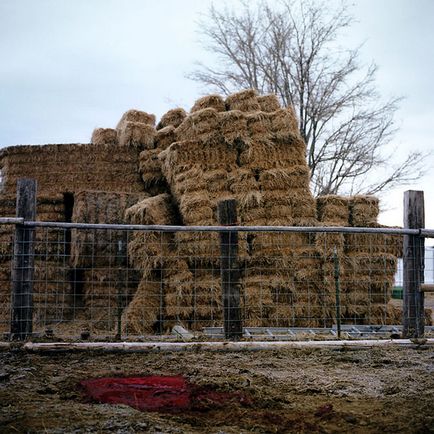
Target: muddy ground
{"type": "Point", "coordinates": [328, 390]}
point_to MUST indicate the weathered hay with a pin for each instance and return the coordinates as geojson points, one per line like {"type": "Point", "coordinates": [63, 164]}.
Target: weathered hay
{"type": "Point", "coordinates": [189, 182]}
{"type": "Point", "coordinates": [257, 301]}
{"type": "Point", "coordinates": [277, 245]}
{"type": "Point", "coordinates": [150, 168]}
{"type": "Point", "coordinates": [259, 126]}
{"type": "Point", "coordinates": [293, 177]}
{"type": "Point", "coordinates": [216, 181]}
{"type": "Point", "coordinates": [308, 269]}
{"type": "Point", "coordinates": [196, 208]}
{"type": "Point", "coordinates": [364, 210]}
{"type": "Point", "coordinates": [333, 208]}
{"type": "Point", "coordinates": [233, 126]}
{"type": "Point", "coordinates": [330, 242]}
{"type": "Point", "coordinates": [90, 167]}
{"type": "Point", "coordinates": [136, 134]}
{"type": "Point", "coordinates": [51, 292]}
{"type": "Point", "coordinates": [101, 136]}
{"type": "Point", "coordinates": [202, 126]}
{"type": "Point", "coordinates": [149, 250]}
{"type": "Point", "coordinates": [91, 248]}
{"type": "Point", "coordinates": [172, 118]}
{"type": "Point", "coordinates": [165, 137]}
{"type": "Point", "coordinates": [106, 291]}
{"type": "Point", "coordinates": [279, 154]}
{"type": "Point", "coordinates": [283, 123]}
{"type": "Point", "coordinates": [207, 299]}
{"type": "Point", "coordinates": [245, 101]}
{"type": "Point", "coordinates": [372, 264]}
{"type": "Point", "coordinates": [374, 243]}
{"type": "Point", "coordinates": [215, 102]}
{"type": "Point", "coordinates": [268, 103]}
{"type": "Point", "coordinates": [136, 116]}
{"type": "Point", "coordinates": [303, 204]}
{"type": "Point", "coordinates": [146, 308]}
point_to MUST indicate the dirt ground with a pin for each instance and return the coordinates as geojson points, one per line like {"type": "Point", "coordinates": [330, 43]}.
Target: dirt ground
{"type": "Point", "coordinates": [325, 391]}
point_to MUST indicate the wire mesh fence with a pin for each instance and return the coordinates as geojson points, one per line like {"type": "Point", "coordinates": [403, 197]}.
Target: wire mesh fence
{"type": "Point", "coordinates": [128, 282]}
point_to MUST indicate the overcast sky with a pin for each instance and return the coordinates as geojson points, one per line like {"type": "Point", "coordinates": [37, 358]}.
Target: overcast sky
{"type": "Point", "coordinates": [68, 66]}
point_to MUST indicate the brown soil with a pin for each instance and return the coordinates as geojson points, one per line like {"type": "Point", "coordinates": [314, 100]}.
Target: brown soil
{"type": "Point", "coordinates": [325, 391]}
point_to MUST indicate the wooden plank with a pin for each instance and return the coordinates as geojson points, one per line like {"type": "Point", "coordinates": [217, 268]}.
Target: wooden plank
{"type": "Point", "coordinates": [426, 287]}
{"type": "Point", "coordinates": [413, 266]}
{"type": "Point", "coordinates": [230, 271]}
{"type": "Point", "coordinates": [23, 262]}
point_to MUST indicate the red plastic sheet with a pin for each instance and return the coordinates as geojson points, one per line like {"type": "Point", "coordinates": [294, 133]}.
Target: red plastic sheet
{"type": "Point", "coordinates": [157, 393]}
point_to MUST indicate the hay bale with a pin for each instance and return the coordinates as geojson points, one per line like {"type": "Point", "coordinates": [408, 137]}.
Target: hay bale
{"type": "Point", "coordinates": [333, 208]}
{"type": "Point", "coordinates": [216, 181]}
{"type": "Point", "coordinates": [245, 101]}
{"type": "Point", "coordinates": [259, 126]}
{"type": "Point", "coordinates": [303, 204]}
{"type": "Point", "coordinates": [330, 242]}
{"type": "Point", "coordinates": [202, 126]}
{"type": "Point", "coordinates": [150, 168]}
{"type": "Point", "coordinates": [293, 177]}
{"type": "Point", "coordinates": [136, 116]}
{"type": "Point", "coordinates": [164, 137]}
{"type": "Point", "coordinates": [269, 103]}
{"type": "Point", "coordinates": [215, 102]}
{"type": "Point", "coordinates": [157, 210]}
{"type": "Point", "coordinates": [279, 154]}
{"type": "Point", "coordinates": [364, 210]}
{"type": "Point", "coordinates": [172, 118]}
{"type": "Point", "coordinates": [137, 135]}
{"type": "Point", "coordinates": [105, 292]}
{"type": "Point", "coordinates": [90, 247]}
{"type": "Point", "coordinates": [196, 208]}
{"type": "Point", "coordinates": [145, 310]}
{"type": "Point", "coordinates": [283, 123]}
{"type": "Point", "coordinates": [101, 136]}
{"type": "Point", "coordinates": [233, 126]}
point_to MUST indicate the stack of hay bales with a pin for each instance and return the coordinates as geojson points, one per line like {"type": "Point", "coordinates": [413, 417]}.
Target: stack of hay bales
{"type": "Point", "coordinates": [164, 295]}
{"type": "Point", "coordinates": [51, 291]}
{"type": "Point", "coordinates": [100, 257]}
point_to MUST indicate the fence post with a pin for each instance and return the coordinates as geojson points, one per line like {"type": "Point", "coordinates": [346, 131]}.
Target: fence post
{"type": "Point", "coordinates": [23, 262]}
{"type": "Point", "coordinates": [413, 266]}
{"type": "Point", "coordinates": [230, 271]}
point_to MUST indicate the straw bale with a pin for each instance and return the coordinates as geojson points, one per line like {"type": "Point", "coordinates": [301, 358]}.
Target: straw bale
{"type": "Point", "coordinates": [276, 197]}
{"type": "Point", "coordinates": [207, 298]}
{"type": "Point", "coordinates": [137, 135]}
{"type": "Point", "coordinates": [259, 126]}
{"type": "Point", "coordinates": [172, 118]}
{"type": "Point", "coordinates": [277, 266]}
{"type": "Point", "coordinates": [145, 309]}
{"type": "Point", "coordinates": [150, 168]}
{"type": "Point", "coordinates": [202, 125]}
{"type": "Point", "coordinates": [216, 180]}
{"type": "Point", "coordinates": [303, 204]}
{"type": "Point", "coordinates": [283, 123]}
{"type": "Point", "coordinates": [257, 301]}
{"type": "Point", "coordinates": [189, 182]}
{"type": "Point", "coordinates": [215, 102]}
{"type": "Point", "coordinates": [364, 210]}
{"type": "Point", "coordinates": [264, 156]}
{"type": "Point", "coordinates": [275, 244]}
{"type": "Point", "coordinates": [248, 201]}
{"type": "Point", "coordinates": [245, 101]}
{"type": "Point", "coordinates": [269, 103]}
{"type": "Point", "coordinates": [329, 242]}
{"type": "Point", "coordinates": [101, 136]}
{"type": "Point", "coordinates": [308, 260]}
{"type": "Point", "coordinates": [51, 291]}
{"type": "Point", "coordinates": [374, 243]}
{"type": "Point", "coordinates": [285, 178]}
{"type": "Point", "coordinates": [165, 137]}
{"type": "Point", "coordinates": [333, 208]}
{"type": "Point", "coordinates": [157, 210]}
{"type": "Point", "coordinates": [136, 116]}
{"type": "Point", "coordinates": [242, 180]}
{"type": "Point", "coordinates": [99, 247]}
{"type": "Point", "coordinates": [233, 126]}
{"type": "Point", "coordinates": [373, 264]}
{"type": "Point", "coordinates": [196, 208]}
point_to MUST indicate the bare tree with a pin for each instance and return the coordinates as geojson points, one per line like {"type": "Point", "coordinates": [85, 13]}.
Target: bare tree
{"type": "Point", "coordinates": [291, 49]}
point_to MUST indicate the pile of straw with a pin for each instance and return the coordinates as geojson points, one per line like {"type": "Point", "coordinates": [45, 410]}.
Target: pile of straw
{"type": "Point", "coordinates": [269, 103]}
{"type": "Point", "coordinates": [364, 210]}
{"type": "Point", "coordinates": [136, 116]}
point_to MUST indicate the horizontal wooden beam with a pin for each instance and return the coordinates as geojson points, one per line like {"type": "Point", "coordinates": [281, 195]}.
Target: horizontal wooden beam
{"type": "Point", "coordinates": [427, 287]}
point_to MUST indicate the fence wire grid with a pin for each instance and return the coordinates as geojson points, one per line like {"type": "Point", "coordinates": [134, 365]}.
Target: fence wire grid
{"type": "Point", "coordinates": [118, 280]}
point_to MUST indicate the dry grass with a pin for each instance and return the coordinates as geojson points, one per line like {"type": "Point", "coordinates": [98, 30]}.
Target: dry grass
{"type": "Point", "coordinates": [215, 102]}
{"type": "Point", "coordinates": [101, 136]}
{"type": "Point", "coordinates": [136, 134]}
{"type": "Point", "coordinates": [245, 101]}
{"type": "Point", "coordinates": [136, 116]}
{"type": "Point", "coordinates": [269, 103]}
{"type": "Point", "coordinates": [172, 118]}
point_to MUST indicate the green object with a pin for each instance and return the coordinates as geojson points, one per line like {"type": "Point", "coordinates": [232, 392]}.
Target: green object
{"type": "Point", "coordinates": [338, 292]}
{"type": "Point", "coordinates": [397, 293]}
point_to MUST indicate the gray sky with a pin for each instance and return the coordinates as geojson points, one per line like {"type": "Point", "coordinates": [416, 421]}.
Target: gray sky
{"type": "Point", "coordinates": [69, 66]}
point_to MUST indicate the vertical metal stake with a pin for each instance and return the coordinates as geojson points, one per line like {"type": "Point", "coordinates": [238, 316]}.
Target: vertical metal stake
{"type": "Point", "coordinates": [338, 291]}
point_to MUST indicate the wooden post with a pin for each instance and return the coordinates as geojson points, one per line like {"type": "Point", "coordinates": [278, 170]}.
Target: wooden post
{"type": "Point", "coordinates": [23, 262]}
{"type": "Point", "coordinates": [413, 265]}
{"type": "Point", "coordinates": [230, 271]}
